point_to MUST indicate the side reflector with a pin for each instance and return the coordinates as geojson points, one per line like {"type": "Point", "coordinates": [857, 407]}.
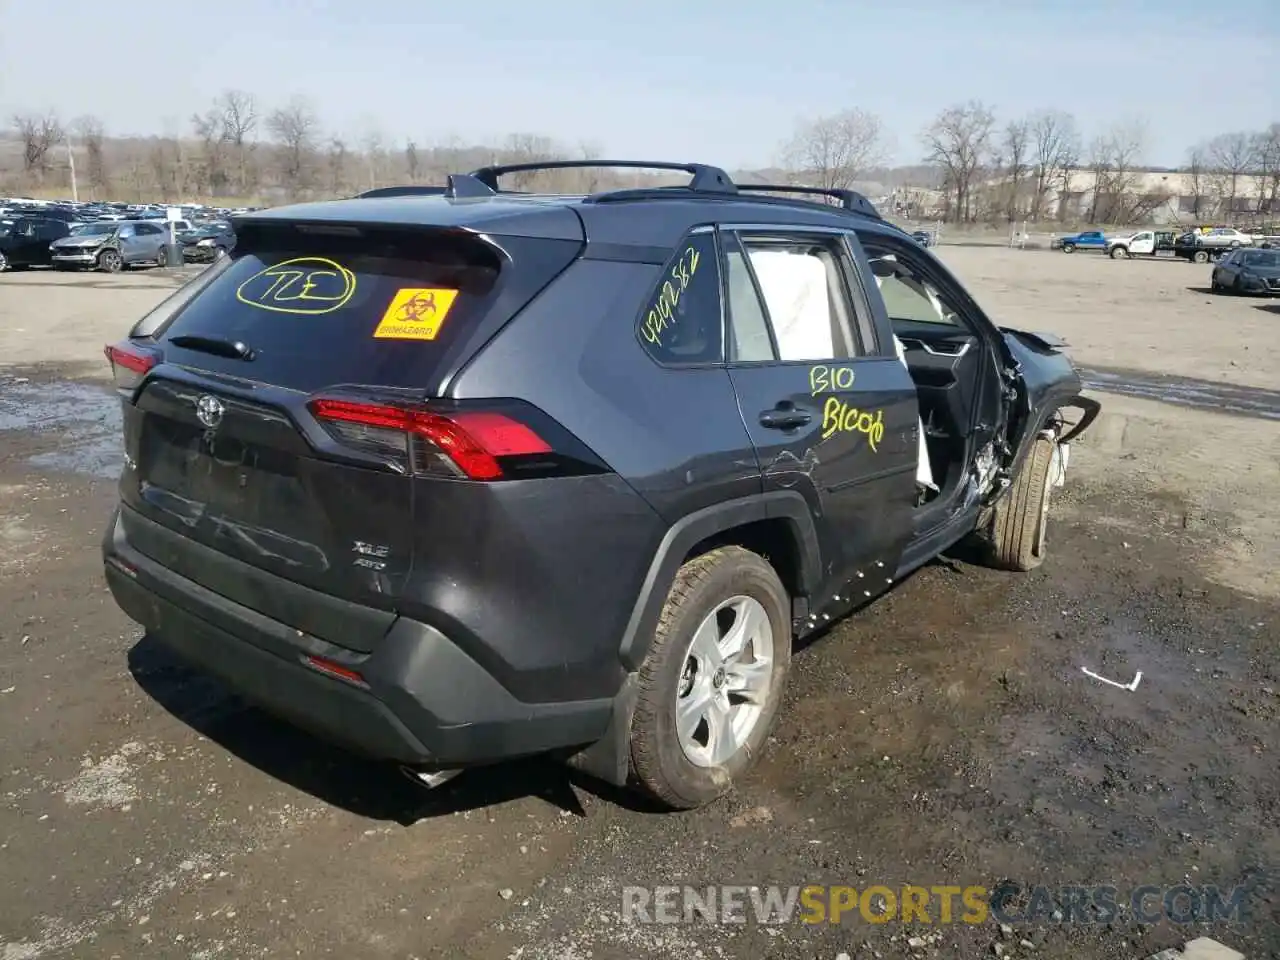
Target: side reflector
{"type": "Point", "coordinates": [334, 670]}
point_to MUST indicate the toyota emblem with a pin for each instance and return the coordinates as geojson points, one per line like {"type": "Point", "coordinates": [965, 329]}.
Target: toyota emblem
{"type": "Point", "coordinates": [209, 411]}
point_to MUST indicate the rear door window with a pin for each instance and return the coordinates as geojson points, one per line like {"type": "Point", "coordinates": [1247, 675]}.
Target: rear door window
{"type": "Point", "coordinates": [373, 312]}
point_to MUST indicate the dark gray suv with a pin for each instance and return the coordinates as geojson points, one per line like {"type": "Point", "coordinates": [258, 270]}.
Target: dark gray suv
{"type": "Point", "coordinates": [462, 477]}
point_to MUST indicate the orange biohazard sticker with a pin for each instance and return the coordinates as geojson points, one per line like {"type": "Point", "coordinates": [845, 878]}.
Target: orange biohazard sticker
{"type": "Point", "coordinates": [415, 313]}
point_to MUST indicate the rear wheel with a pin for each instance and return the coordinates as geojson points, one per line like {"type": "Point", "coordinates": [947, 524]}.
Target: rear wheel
{"type": "Point", "coordinates": [1068, 248]}
{"type": "Point", "coordinates": [4, 263]}
{"type": "Point", "coordinates": [110, 261]}
{"type": "Point", "coordinates": [1022, 514]}
{"type": "Point", "coordinates": [711, 685]}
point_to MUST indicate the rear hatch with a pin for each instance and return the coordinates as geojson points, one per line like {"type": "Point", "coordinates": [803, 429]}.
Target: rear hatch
{"type": "Point", "coordinates": [276, 410]}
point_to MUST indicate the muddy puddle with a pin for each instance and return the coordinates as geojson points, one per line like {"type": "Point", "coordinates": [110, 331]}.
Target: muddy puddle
{"type": "Point", "coordinates": [81, 423]}
{"type": "Point", "coordinates": [1186, 391]}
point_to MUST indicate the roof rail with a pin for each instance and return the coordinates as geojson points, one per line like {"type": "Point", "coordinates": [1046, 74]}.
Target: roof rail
{"type": "Point", "coordinates": [849, 199]}
{"type": "Point", "coordinates": [706, 178]}
{"type": "Point", "coordinates": [403, 191]}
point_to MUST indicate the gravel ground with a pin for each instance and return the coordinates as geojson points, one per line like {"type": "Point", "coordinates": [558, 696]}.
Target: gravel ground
{"type": "Point", "coordinates": [946, 735]}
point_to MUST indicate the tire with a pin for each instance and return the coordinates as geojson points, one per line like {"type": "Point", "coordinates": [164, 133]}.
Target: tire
{"type": "Point", "coordinates": [1021, 515]}
{"type": "Point", "coordinates": [1068, 248]}
{"type": "Point", "coordinates": [110, 261]}
{"type": "Point", "coordinates": [219, 253]}
{"type": "Point", "coordinates": [1119, 253]}
{"type": "Point", "coordinates": [4, 263]}
{"type": "Point", "coordinates": [1200, 256]}
{"type": "Point", "coordinates": [683, 769]}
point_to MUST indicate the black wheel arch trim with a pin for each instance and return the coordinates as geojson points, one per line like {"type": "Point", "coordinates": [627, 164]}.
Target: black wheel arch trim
{"type": "Point", "coordinates": [1090, 409]}
{"type": "Point", "coordinates": [609, 758]}
{"type": "Point", "coordinates": [686, 533]}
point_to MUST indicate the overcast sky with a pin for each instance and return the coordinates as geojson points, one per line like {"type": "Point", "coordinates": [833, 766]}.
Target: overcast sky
{"type": "Point", "coordinates": [701, 80]}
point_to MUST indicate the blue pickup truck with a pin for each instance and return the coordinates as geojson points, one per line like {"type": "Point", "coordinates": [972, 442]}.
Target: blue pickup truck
{"type": "Point", "coordinates": [1089, 240]}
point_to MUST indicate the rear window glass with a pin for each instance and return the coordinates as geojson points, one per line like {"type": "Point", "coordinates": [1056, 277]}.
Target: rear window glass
{"type": "Point", "coordinates": [316, 319]}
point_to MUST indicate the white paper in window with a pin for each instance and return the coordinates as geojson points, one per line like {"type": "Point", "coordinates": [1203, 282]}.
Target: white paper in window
{"type": "Point", "coordinates": [795, 291]}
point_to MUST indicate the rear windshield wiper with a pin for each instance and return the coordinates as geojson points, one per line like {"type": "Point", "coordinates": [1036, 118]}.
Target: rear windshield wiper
{"type": "Point", "coordinates": [233, 349]}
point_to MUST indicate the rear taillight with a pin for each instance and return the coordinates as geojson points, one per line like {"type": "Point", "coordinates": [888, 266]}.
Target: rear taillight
{"type": "Point", "coordinates": [462, 444]}
{"type": "Point", "coordinates": [129, 364]}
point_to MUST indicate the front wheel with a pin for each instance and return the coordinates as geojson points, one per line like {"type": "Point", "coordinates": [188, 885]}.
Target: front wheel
{"type": "Point", "coordinates": [110, 261]}
{"type": "Point", "coordinates": [1201, 256]}
{"type": "Point", "coordinates": [4, 263]}
{"type": "Point", "coordinates": [1022, 514]}
{"type": "Point", "coordinates": [1119, 253]}
{"type": "Point", "coordinates": [712, 682]}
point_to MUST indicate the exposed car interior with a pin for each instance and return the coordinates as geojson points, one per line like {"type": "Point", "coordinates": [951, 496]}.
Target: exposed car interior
{"type": "Point", "coordinates": [945, 361]}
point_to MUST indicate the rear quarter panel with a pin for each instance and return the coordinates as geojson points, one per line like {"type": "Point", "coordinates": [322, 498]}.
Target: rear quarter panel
{"type": "Point", "coordinates": [673, 438]}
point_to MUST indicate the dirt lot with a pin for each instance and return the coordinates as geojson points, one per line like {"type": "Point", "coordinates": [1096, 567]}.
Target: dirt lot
{"type": "Point", "coordinates": [944, 736]}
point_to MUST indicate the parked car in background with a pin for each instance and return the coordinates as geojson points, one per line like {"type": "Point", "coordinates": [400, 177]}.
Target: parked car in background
{"type": "Point", "coordinates": [208, 242]}
{"type": "Point", "coordinates": [111, 246]}
{"type": "Point", "coordinates": [1089, 240]}
{"type": "Point", "coordinates": [1225, 238]}
{"type": "Point", "coordinates": [923, 237]}
{"type": "Point", "coordinates": [1249, 271]}
{"type": "Point", "coordinates": [24, 242]}
{"type": "Point", "coordinates": [1202, 246]}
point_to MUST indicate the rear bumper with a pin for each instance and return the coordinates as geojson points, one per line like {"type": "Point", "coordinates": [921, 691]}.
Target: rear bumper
{"type": "Point", "coordinates": [423, 701]}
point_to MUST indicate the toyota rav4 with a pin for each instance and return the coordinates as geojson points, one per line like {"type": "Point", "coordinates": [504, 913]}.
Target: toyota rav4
{"type": "Point", "coordinates": [459, 475]}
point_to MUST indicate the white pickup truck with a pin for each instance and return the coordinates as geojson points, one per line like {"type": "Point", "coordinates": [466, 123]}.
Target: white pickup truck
{"type": "Point", "coordinates": [1144, 243]}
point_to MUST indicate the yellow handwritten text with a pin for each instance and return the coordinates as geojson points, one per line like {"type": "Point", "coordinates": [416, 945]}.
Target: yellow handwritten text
{"type": "Point", "coordinates": [673, 287]}
{"type": "Point", "coordinates": [840, 417]}
{"type": "Point", "coordinates": [823, 379]}
{"type": "Point", "coordinates": [303, 285]}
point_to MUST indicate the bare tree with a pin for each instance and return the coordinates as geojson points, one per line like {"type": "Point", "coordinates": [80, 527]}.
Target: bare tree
{"type": "Point", "coordinates": [1267, 153]}
{"type": "Point", "coordinates": [372, 143]}
{"type": "Point", "coordinates": [958, 142]}
{"type": "Point", "coordinates": [337, 159]}
{"type": "Point", "coordinates": [39, 134]}
{"type": "Point", "coordinates": [1114, 160]}
{"type": "Point", "coordinates": [1016, 145]}
{"type": "Point", "coordinates": [834, 151]}
{"type": "Point", "coordinates": [1197, 176]}
{"type": "Point", "coordinates": [209, 130]}
{"type": "Point", "coordinates": [1232, 157]}
{"type": "Point", "coordinates": [411, 161]}
{"type": "Point", "coordinates": [530, 148]}
{"type": "Point", "coordinates": [239, 122]}
{"type": "Point", "coordinates": [91, 135]}
{"type": "Point", "coordinates": [295, 126]}
{"type": "Point", "coordinates": [1055, 153]}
